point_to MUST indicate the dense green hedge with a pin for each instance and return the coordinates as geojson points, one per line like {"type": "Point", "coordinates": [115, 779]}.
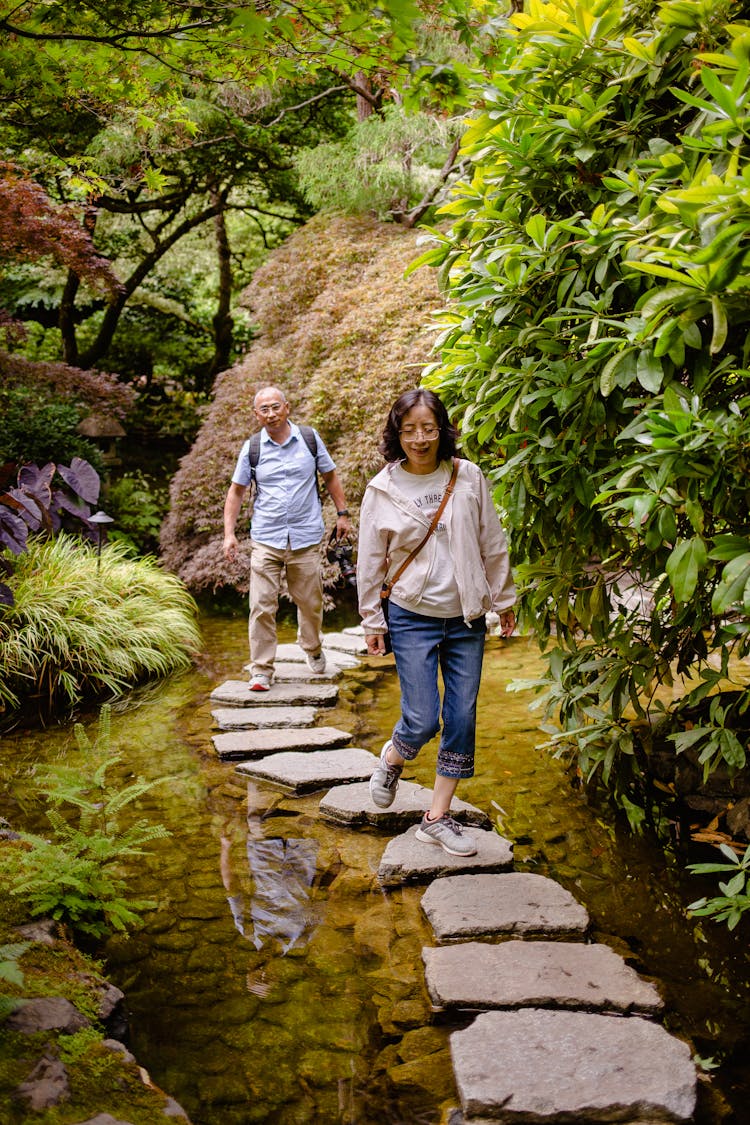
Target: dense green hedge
{"type": "Point", "coordinates": [596, 355]}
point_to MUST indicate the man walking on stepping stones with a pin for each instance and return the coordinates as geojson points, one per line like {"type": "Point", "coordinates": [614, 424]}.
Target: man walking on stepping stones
{"type": "Point", "coordinates": [432, 551]}
{"type": "Point", "coordinates": [286, 531]}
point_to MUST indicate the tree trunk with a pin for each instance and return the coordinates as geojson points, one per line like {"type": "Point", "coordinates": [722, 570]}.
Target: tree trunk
{"type": "Point", "coordinates": [365, 106]}
{"type": "Point", "coordinates": [66, 319]}
{"type": "Point", "coordinates": [110, 320]}
{"type": "Point", "coordinates": [222, 321]}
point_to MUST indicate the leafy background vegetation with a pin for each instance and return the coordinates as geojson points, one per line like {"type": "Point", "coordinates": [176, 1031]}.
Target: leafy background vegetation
{"type": "Point", "coordinates": [595, 355]}
{"type": "Point", "coordinates": [592, 261]}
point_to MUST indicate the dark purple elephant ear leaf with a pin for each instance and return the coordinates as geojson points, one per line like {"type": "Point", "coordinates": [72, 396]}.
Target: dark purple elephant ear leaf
{"type": "Point", "coordinates": [28, 507]}
{"type": "Point", "coordinates": [71, 504]}
{"type": "Point", "coordinates": [6, 594]}
{"type": "Point", "coordinates": [82, 478]}
{"type": "Point", "coordinates": [37, 482]}
{"type": "Point", "coordinates": [13, 531]}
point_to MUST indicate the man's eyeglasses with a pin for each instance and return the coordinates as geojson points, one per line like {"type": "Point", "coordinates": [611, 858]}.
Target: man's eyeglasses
{"type": "Point", "coordinates": [419, 433]}
{"type": "Point", "coordinates": [271, 408]}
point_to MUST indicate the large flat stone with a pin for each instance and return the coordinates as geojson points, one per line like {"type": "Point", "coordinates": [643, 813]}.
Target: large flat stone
{"type": "Point", "coordinates": [290, 672]}
{"type": "Point", "coordinates": [353, 643]}
{"type": "Point", "coordinates": [408, 860]}
{"type": "Point", "coordinates": [293, 654]}
{"type": "Point", "coordinates": [237, 693]}
{"type": "Point", "coordinates": [476, 906]}
{"type": "Point", "coordinates": [304, 773]}
{"type": "Point", "coordinates": [257, 743]}
{"type": "Point", "coordinates": [544, 1067]}
{"type": "Point", "coordinates": [259, 718]}
{"type": "Point", "coordinates": [351, 805]}
{"type": "Point", "coordinates": [536, 974]}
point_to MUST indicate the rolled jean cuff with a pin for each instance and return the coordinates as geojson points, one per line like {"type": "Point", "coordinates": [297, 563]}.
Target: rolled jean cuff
{"type": "Point", "coordinates": [403, 748]}
{"type": "Point", "coordinates": [450, 764]}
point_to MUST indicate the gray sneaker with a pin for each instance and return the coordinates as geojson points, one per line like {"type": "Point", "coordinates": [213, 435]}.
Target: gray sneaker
{"type": "Point", "coordinates": [448, 833]}
{"type": "Point", "coordinates": [316, 662]}
{"type": "Point", "coordinates": [384, 780]}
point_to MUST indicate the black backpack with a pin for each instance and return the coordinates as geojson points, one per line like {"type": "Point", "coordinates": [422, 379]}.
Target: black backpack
{"type": "Point", "coordinates": [311, 441]}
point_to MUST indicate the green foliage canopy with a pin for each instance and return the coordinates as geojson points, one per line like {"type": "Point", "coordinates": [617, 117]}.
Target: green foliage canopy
{"type": "Point", "coordinates": [596, 355]}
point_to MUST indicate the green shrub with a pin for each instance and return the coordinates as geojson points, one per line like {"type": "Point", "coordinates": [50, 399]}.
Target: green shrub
{"type": "Point", "coordinates": [82, 626]}
{"type": "Point", "coordinates": [596, 357]}
{"type": "Point", "coordinates": [42, 427]}
{"type": "Point", "coordinates": [138, 506]}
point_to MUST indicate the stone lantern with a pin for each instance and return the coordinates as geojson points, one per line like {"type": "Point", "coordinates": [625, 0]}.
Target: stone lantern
{"type": "Point", "coordinates": [105, 431]}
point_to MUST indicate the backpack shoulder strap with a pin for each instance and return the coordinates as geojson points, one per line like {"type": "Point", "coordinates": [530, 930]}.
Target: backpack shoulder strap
{"type": "Point", "coordinates": [253, 453]}
{"type": "Point", "coordinates": [311, 441]}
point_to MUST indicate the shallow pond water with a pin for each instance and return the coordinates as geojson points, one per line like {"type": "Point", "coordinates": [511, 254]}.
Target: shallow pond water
{"type": "Point", "coordinates": [275, 982]}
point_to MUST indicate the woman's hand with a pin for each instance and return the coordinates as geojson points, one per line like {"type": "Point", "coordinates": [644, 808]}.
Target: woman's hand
{"type": "Point", "coordinates": [375, 644]}
{"type": "Point", "coordinates": [507, 623]}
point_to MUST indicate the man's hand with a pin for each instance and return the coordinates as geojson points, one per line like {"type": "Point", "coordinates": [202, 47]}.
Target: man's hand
{"type": "Point", "coordinates": [343, 527]}
{"type": "Point", "coordinates": [231, 547]}
{"type": "Point", "coordinates": [375, 644]}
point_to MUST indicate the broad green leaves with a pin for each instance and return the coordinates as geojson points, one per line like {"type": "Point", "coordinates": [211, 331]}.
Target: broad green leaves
{"type": "Point", "coordinates": [596, 352]}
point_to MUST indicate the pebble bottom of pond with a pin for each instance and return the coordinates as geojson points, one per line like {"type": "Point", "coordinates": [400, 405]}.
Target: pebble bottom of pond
{"type": "Point", "coordinates": [276, 982]}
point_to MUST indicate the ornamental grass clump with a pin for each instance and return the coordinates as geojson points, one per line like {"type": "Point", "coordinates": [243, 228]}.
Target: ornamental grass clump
{"type": "Point", "coordinates": [83, 625]}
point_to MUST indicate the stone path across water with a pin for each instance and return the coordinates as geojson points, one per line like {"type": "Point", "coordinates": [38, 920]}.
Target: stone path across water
{"type": "Point", "coordinates": [536, 974]}
{"type": "Point", "coordinates": [559, 1033]}
{"type": "Point", "coordinates": [306, 773]}
{"type": "Point", "coordinates": [263, 718]}
{"type": "Point", "coordinates": [256, 743]}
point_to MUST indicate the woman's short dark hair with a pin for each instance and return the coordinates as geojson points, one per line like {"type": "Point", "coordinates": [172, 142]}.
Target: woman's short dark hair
{"type": "Point", "coordinates": [390, 445]}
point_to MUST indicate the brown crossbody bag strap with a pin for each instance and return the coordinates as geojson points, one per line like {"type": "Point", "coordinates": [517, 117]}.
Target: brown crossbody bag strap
{"type": "Point", "coordinates": [385, 590]}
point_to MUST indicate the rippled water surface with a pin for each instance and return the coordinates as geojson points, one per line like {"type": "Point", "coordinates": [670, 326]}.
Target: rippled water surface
{"type": "Point", "coordinates": [275, 982]}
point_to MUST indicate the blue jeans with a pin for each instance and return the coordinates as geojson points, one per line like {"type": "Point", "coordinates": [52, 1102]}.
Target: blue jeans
{"type": "Point", "coordinates": [421, 645]}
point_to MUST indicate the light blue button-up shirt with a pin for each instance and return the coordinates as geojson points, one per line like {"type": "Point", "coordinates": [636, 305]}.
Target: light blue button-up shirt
{"type": "Point", "coordinates": [286, 510]}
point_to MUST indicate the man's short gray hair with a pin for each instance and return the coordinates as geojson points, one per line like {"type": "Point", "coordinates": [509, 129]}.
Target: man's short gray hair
{"type": "Point", "coordinates": [269, 387]}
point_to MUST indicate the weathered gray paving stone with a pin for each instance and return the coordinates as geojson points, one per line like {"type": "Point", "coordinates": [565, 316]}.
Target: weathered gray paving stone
{"type": "Point", "coordinates": [237, 693]}
{"type": "Point", "coordinates": [536, 974]}
{"type": "Point", "coordinates": [292, 672]}
{"type": "Point", "coordinates": [407, 860]}
{"type": "Point", "coordinates": [259, 718]}
{"type": "Point", "coordinates": [293, 654]}
{"type": "Point", "coordinates": [476, 906]}
{"type": "Point", "coordinates": [304, 773]}
{"type": "Point", "coordinates": [353, 643]}
{"type": "Point", "coordinates": [256, 743]}
{"type": "Point", "coordinates": [351, 805]}
{"type": "Point", "coordinates": [544, 1067]}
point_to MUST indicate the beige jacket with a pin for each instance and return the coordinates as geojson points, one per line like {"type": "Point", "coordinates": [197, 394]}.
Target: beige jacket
{"type": "Point", "coordinates": [390, 526]}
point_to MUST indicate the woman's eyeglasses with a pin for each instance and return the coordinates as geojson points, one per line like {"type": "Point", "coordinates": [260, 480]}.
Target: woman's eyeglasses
{"type": "Point", "coordinates": [419, 433]}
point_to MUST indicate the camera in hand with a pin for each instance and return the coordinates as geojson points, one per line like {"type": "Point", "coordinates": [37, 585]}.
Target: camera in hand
{"type": "Point", "coordinates": [342, 552]}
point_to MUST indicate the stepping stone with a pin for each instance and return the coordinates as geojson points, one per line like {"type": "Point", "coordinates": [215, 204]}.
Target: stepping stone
{"type": "Point", "coordinates": [351, 805]}
{"type": "Point", "coordinates": [408, 860]}
{"type": "Point", "coordinates": [354, 631]}
{"type": "Point", "coordinates": [240, 718]}
{"type": "Point", "coordinates": [304, 773]}
{"type": "Point", "coordinates": [256, 743]}
{"type": "Point", "coordinates": [354, 644]}
{"type": "Point", "coordinates": [299, 673]}
{"type": "Point", "coordinates": [477, 906]}
{"type": "Point", "coordinates": [536, 974]}
{"type": "Point", "coordinates": [544, 1067]}
{"type": "Point", "coordinates": [293, 654]}
{"type": "Point", "coordinates": [237, 693]}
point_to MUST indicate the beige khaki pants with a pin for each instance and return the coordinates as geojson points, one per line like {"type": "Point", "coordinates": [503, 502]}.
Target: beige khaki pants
{"type": "Point", "coordinates": [305, 585]}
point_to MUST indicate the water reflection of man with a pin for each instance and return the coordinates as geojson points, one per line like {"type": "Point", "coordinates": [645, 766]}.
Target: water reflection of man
{"type": "Point", "coordinates": [282, 872]}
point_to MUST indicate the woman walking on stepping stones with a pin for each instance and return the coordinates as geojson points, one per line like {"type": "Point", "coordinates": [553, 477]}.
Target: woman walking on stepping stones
{"type": "Point", "coordinates": [432, 555]}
